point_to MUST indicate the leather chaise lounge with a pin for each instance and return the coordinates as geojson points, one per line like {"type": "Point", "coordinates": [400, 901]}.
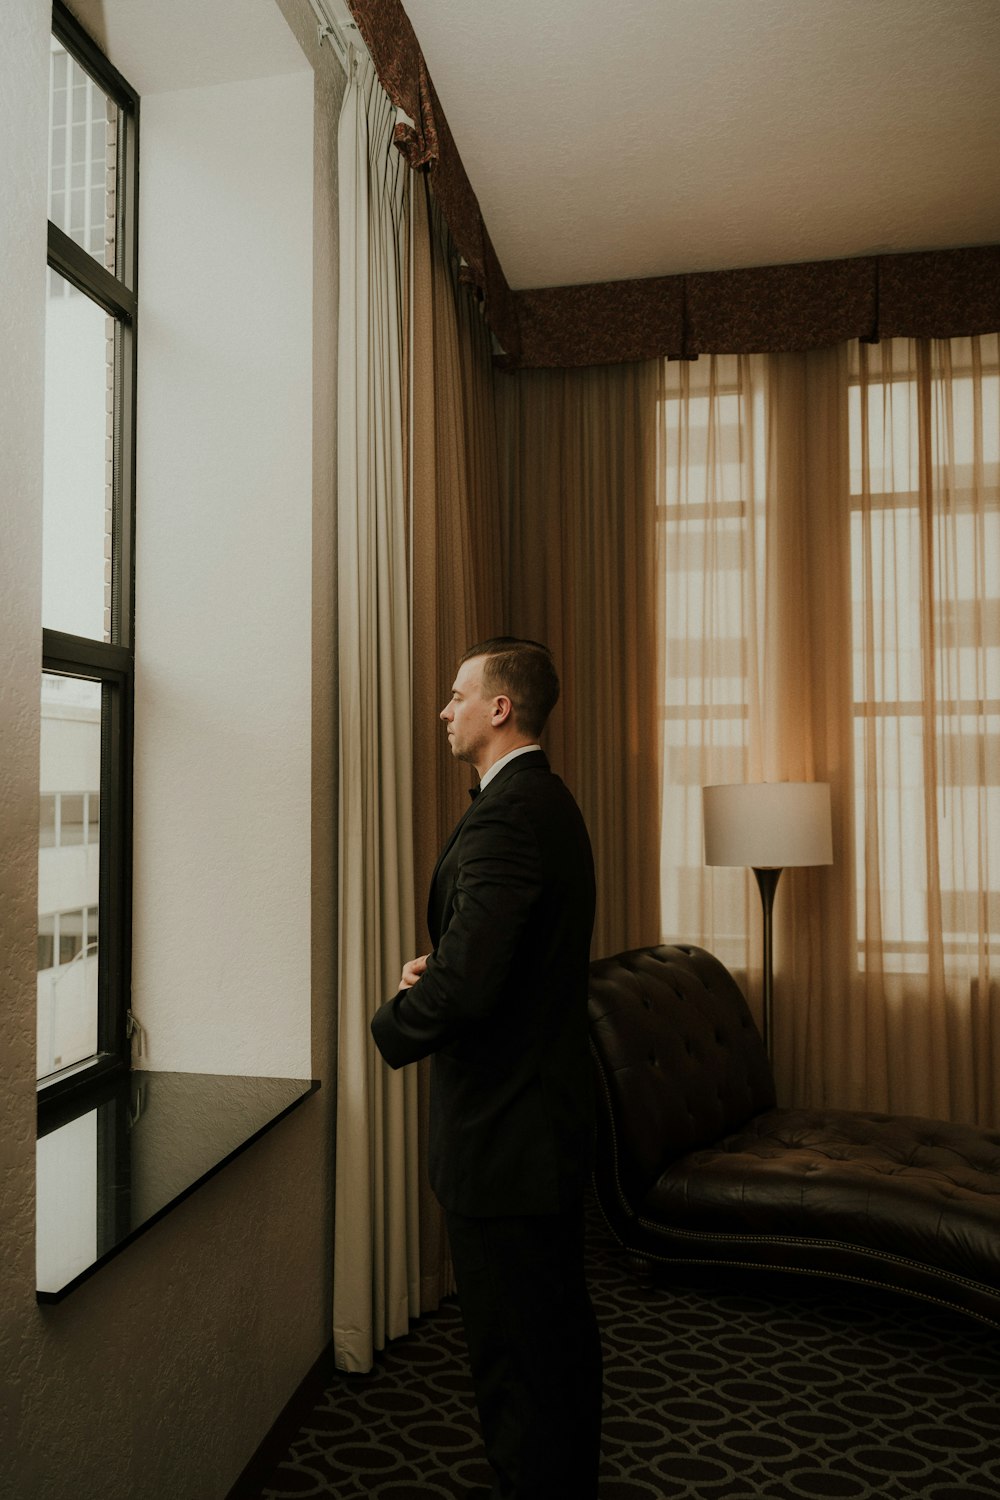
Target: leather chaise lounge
{"type": "Point", "coordinates": [696, 1164]}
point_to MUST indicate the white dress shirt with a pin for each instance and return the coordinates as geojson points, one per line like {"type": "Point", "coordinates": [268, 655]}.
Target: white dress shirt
{"type": "Point", "coordinates": [498, 765]}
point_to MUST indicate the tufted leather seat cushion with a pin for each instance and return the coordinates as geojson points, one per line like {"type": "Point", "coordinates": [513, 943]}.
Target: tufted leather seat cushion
{"type": "Point", "coordinates": [904, 1185]}
{"type": "Point", "coordinates": [696, 1162]}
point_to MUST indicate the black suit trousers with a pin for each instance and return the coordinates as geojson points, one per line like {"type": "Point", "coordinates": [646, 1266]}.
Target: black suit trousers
{"type": "Point", "coordinates": [534, 1349]}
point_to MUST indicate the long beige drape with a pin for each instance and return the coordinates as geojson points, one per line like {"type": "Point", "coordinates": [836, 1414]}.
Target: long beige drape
{"type": "Point", "coordinates": [376, 1230]}
{"type": "Point", "coordinates": [455, 577]}
{"type": "Point", "coordinates": [578, 450]}
{"type": "Point", "coordinates": [419, 534]}
{"type": "Point", "coordinates": [457, 596]}
{"type": "Point", "coordinates": [830, 574]}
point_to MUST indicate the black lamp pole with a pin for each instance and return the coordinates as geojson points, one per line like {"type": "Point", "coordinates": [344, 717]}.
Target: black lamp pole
{"type": "Point", "coordinates": [767, 883]}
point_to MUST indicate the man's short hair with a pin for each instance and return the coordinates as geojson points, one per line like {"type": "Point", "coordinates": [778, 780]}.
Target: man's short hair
{"type": "Point", "coordinates": [525, 673]}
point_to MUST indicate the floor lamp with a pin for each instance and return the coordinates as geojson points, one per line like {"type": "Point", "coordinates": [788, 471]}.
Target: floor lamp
{"type": "Point", "coordinates": [768, 826]}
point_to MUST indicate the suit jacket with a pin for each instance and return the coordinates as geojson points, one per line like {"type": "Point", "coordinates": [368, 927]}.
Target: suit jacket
{"type": "Point", "coordinates": [502, 1005]}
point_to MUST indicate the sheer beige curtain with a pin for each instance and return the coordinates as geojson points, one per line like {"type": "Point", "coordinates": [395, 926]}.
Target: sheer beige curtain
{"type": "Point", "coordinates": [830, 588]}
{"type": "Point", "coordinates": [925, 543]}
{"type": "Point", "coordinates": [830, 1045]}
{"type": "Point", "coordinates": [455, 572]}
{"type": "Point", "coordinates": [376, 1230]}
{"type": "Point", "coordinates": [579, 449]}
{"type": "Point", "coordinates": [711, 521]}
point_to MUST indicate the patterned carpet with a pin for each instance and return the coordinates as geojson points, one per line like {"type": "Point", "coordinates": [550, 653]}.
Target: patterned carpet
{"type": "Point", "coordinates": [715, 1389]}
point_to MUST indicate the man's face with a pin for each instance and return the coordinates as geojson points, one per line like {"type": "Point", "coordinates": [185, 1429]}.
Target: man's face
{"type": "Point", "coordinates": [468, 714]}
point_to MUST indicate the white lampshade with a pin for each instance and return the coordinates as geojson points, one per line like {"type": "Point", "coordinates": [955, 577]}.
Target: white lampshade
{"type": "Point", "coordinates": [769, 825]}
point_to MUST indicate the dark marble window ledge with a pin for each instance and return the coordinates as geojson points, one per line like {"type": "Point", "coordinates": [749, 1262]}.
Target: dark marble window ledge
{"type": "Point", "coordinates": [111, 1171]}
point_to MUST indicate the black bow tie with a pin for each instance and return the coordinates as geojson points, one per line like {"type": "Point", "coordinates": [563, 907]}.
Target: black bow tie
{"type": "Point", "coordinates": [474, 792]}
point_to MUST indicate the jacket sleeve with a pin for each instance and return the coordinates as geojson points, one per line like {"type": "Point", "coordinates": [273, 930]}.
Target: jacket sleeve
{"type": "Point", "coordinates": [498, 883]}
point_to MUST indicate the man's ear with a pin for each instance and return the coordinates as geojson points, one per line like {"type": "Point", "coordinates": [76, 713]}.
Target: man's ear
{"type": "Point", "coordinates": [502, 710]}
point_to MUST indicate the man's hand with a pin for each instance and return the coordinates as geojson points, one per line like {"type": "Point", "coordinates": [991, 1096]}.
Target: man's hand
{"type": "Point", "coordinates": [412, 972]}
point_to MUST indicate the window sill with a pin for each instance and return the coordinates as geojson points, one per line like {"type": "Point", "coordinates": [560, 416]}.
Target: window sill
{"type": "Point", "coordinates": [107, 1174]}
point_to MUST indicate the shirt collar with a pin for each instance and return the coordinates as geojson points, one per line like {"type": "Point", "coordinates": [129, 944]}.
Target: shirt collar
{"type": "Point", "coordinates": [498, 765]}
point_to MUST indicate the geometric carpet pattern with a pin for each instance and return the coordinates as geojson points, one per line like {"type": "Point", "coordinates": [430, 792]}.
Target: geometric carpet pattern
{"type": "Point", "coordinates": [718, 1386]}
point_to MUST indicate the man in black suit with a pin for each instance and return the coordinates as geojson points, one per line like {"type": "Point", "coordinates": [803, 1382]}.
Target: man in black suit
{"type": "Point", "coordinates": [501, 1003]}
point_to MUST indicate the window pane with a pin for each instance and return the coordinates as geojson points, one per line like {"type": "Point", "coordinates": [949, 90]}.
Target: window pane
{"type": "Point", "coordinates": [68, 873]}
{"type": "Point", "coordinates": [76, 546]}
{"type": "Point", "coordinates": [46, 822]}
{"type": "Point", "coordinates": [70, 936]}
{"type": "Point", "coordinates": [71, 818]}
{"type": "Point", "coordinates": [46, 941]}
{"type": "Point", "coordinates": [83, 125]}
{"type": "Point", "coordinates": [66, 1201]}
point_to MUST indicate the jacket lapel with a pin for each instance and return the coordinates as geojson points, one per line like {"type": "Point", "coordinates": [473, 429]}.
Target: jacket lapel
{"type": "Point", "coordinates": [536, 759]}
{"type": "Point", "coordinates": [451, 839]}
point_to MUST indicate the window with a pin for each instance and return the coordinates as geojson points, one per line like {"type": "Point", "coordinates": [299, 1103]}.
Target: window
{"type": "Point", "coordinates": [917, 522]}
{"type": "Point", "coordinates": [711, 536]}
{"type": "Point", "coordinates": [87, 560]}
{"type": "Point", "coordinates": [925, 526]}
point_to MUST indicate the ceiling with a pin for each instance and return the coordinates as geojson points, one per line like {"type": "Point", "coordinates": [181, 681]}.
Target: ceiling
{"type": "Point", "coordinates": [623, 138]}
{"type": "Point", "coordinates": [648, 137]}
{"type": "Point", "coordinates": [187, 44]}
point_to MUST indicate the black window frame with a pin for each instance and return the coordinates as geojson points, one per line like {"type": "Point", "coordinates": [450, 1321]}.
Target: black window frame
{"type": "Point", "coordinates": [112, 663]}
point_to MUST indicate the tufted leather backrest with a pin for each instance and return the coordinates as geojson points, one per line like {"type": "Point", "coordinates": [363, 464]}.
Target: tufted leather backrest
{"type": "Point", "coordinates": [679, 1058]}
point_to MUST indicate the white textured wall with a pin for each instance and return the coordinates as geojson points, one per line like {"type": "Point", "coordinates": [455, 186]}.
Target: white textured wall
{"type": "Point", "coordinates": [220, 971]}
{"type": "Point", "coordinates": [160, 1376]}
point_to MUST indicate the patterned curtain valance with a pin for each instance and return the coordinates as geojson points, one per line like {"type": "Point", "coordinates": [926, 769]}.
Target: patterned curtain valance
{"type": "Point", "coordinates": [766, 309]}
{"type": "Point", "coordinates": [428, 143]}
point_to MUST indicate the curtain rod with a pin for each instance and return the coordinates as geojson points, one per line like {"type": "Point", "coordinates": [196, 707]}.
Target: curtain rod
{"type": "Point", "coordinates": [336, 25]}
